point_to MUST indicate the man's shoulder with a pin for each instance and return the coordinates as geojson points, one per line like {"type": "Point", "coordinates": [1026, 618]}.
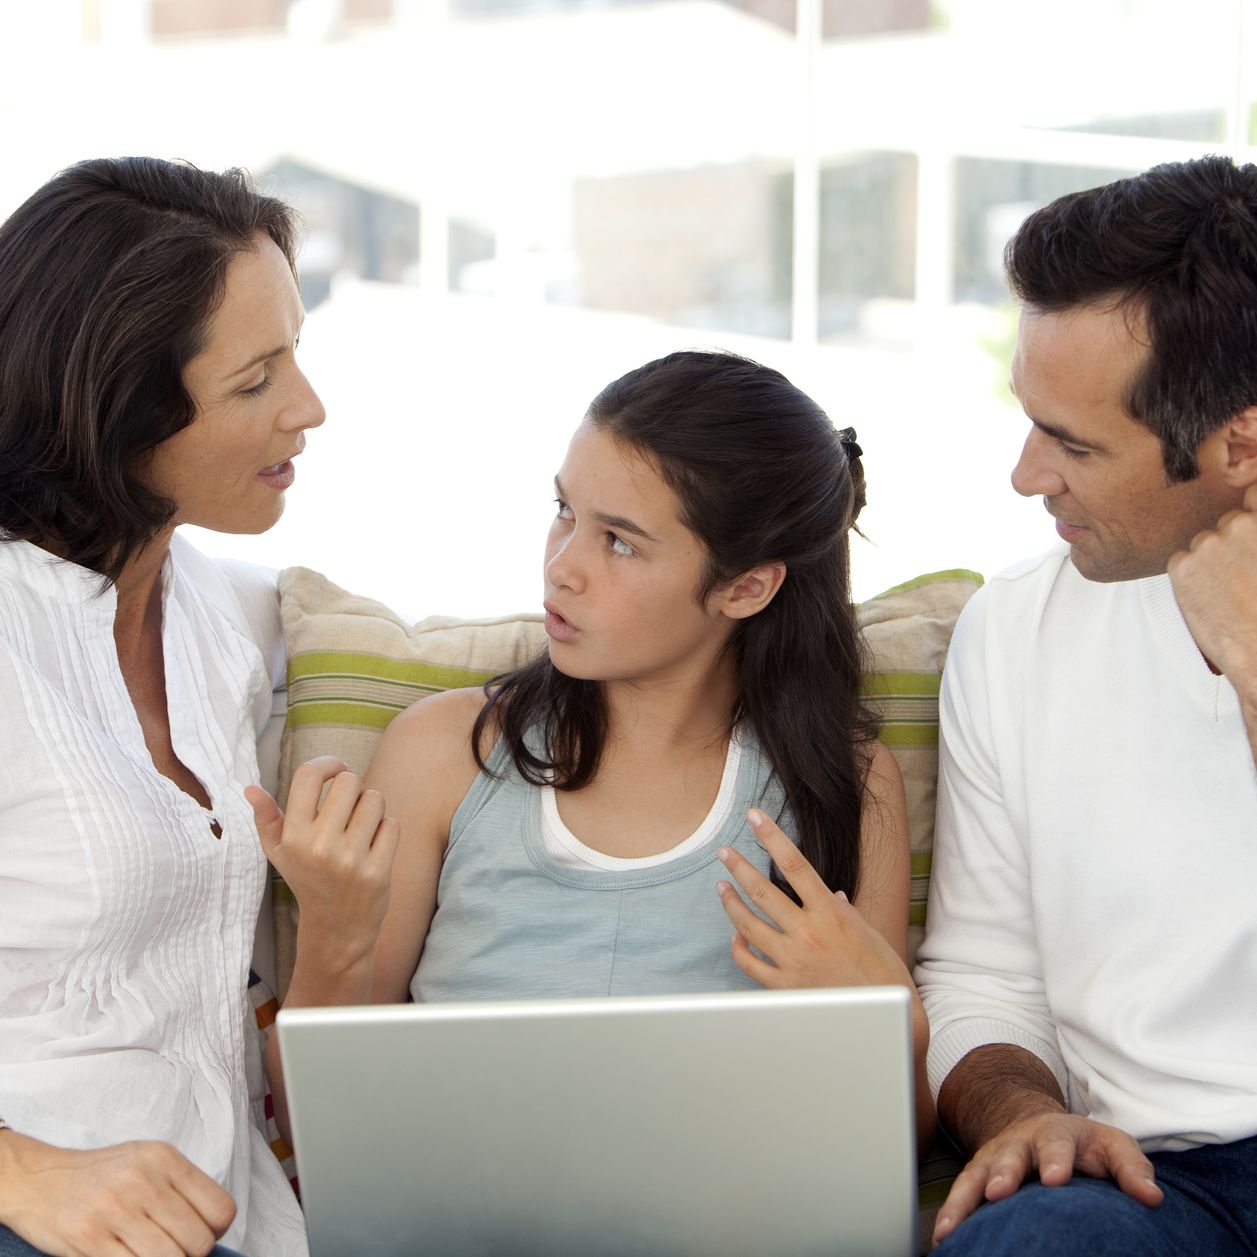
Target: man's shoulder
{"type": "Point", "coordinates": [1015, 594]}
{"type": "Point", "coordinates": [1029, 576]}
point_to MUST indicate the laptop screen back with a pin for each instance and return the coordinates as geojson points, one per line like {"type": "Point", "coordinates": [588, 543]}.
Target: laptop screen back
{"type": "Point", "coordinates": [751, 1123]}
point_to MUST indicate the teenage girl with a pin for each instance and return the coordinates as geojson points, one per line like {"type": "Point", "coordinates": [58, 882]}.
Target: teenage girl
{"type": "Point", "coordinates": [592, 823]}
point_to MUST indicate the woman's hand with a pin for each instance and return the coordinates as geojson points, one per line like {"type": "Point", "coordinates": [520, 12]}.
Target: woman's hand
{"type": "Point", "coordinates": [127, 1200]}
{"type": "Point", "coordinates": [821, 941]}
{"type": "Point", "coordinates": [335, 855]}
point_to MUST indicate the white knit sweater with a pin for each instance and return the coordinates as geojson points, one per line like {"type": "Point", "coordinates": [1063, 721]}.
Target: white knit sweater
{"type": "Point", "coordinates": [1094, 892]}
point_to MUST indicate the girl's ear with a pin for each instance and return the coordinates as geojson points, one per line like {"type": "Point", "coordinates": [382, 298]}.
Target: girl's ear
{"type": "Point", "coordinates": [751, 592]}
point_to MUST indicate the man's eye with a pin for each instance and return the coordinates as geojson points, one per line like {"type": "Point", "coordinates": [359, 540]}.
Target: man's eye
{"type": "Point", "coordinates": [1070, 452]}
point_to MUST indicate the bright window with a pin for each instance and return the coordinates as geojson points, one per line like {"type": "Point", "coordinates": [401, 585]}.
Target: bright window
{"type": "Point", "coordinates": [510, 202]}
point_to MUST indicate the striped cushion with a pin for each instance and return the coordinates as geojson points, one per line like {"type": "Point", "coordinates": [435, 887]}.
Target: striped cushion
{"type": "Point", "coordinates": [906, 631]}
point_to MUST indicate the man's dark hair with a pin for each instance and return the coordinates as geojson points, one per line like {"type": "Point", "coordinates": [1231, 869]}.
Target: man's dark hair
{"type": "Point", "coordinates": [109, 275]}
{"type": "Point", "coordinates": [1177, 248]}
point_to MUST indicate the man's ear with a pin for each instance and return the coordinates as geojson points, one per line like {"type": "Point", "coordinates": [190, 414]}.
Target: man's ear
{"type": "Point", "coordinates": [751, 592]}
{"type": "Point", "coordinates": [1240, 437]}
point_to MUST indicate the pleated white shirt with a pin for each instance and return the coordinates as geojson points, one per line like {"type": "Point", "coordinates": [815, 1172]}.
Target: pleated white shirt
{"type": "Point", "coordinates": [126, 926]}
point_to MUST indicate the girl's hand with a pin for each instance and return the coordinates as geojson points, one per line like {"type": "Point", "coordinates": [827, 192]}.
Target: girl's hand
{"type": "Point", "coordinates": [336, 855]}
{"type": "Point", "coordinates": [821, 941]}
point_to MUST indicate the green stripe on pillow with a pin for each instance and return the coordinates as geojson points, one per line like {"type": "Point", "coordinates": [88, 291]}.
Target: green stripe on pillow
{"type": "Point", "coordinates": [893, 734]}
{"type": "Point", "coordinates": [900, 684]}
{"type": "Point", "coordinates": [343, 715]}
{"type": "Point", "coordinates": [326, 663]}
{"type": "Point", "coordinates": [932, 578]}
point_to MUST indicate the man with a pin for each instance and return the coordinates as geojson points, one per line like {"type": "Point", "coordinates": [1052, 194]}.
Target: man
{"type": "Point", "coordinates": [1090, 969]}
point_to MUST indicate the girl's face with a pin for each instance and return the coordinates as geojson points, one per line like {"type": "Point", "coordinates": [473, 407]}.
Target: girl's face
{"type": "Point", "coordinates": [622, 571]}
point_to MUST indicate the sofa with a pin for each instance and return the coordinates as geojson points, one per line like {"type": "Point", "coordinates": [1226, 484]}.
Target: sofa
{"type": "Point", "coordinates": [352, 664]}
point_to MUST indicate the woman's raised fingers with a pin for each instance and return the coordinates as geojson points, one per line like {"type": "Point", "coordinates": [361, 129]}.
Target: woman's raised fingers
{"type": "Point", "coordinates": [307, 786]}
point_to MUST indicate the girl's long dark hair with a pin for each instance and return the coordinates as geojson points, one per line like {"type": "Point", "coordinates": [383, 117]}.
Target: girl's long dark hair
{"type": "Point", "coordinates": [761, 476]}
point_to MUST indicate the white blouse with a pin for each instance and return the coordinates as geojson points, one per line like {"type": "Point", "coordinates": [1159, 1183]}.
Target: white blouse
{"type": "Point", "coordinates": [126, 926]}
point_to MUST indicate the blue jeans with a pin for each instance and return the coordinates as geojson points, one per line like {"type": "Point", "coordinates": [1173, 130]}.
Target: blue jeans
{"type": "Point", "coordinates": [12, 1246]}
{"type": "Point", "coordinates": [1210, 1207]}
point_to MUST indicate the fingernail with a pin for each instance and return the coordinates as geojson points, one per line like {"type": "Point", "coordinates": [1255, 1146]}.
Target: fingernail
{"type": "Point", "coordinates": [724, 853]}
{"type": "Point", "coordinates": [756, 817]}
{"type": "Point", "coordinates": [942, 1226]}
{"type": "Point", "coordinates": [722, 889]}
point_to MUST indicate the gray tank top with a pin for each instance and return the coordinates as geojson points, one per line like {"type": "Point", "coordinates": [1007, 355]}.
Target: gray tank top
{"type": "Point", "coordinates": [513, 923]}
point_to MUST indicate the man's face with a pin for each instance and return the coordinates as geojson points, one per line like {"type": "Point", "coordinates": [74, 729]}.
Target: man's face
{"type": "Point", "coordinates": [1099, 471]}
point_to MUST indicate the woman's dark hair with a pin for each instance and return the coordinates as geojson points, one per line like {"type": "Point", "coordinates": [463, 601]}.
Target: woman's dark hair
{"type": "Point", "coordinates": [1177, 247]}
{"type": "Point", "coordinates": [761, 476]}
{"type": "Point", "coordinates": [109, 275]}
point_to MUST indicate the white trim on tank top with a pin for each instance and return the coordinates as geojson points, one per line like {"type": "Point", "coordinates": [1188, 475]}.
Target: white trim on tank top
{"type": "Point", "coordinates": [565, 849]}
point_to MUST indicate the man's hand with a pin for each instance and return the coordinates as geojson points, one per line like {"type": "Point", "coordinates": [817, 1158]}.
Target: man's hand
{"type": "Point", "coordinates": [1215, 583]}
{"type": "Point", "coordinates": [1004, 1102]}
{"type": "Point", "coordinates": [128, 1200]}
{"type": "Point", "coordinates": [1054, 1144]}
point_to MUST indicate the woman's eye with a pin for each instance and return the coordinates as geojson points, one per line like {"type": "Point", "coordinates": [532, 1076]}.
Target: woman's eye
{"type": "Point", "coordinates": [619, 545]}
{"type": "Point", "coordinates": [562, 510]}
{"type": "Point", "coordinates": [258, 389]}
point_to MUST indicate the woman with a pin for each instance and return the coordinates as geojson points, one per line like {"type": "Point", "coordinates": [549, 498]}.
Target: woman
{"type": "Point", "coordinates": [577, 827]}
{"type": "Point", "coordinates": [149, 317]}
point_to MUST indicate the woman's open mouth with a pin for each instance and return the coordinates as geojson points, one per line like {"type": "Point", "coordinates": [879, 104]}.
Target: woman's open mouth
{"type": "Point", "coordinates": [280, 476]}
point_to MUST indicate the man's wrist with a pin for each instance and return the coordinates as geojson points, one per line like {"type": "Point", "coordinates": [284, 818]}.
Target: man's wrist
{"type": "Point", "coordinates": [992, 1088]}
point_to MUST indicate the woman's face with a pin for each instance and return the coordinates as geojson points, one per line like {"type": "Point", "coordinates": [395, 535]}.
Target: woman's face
{"type": "Point", "coordinates": [622, 571]}
{"type": "Point", "coordinates": [228, 469]}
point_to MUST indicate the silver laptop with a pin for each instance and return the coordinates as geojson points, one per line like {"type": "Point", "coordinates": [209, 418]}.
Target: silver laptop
{"type": "Point", "coordinates": [773, 1123]}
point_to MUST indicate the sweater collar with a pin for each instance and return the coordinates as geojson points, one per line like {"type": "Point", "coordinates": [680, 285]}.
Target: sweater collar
{"type": "Point", "coordinates": [1164, 614]}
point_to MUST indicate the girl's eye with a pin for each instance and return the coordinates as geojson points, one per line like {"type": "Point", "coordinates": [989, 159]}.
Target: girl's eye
{"type": "Point", "coordinates": [564, 511]}
{"type": "Point", "coordinates": [1070, 452]}
{"type": "Point", "coordinates": [258, 389]}
{"type": "Point", "coordinates": [619, 545]}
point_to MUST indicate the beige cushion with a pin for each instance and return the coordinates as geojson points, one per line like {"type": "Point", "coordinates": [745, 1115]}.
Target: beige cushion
{"type": "Point", "coordinates": [353, 665]}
